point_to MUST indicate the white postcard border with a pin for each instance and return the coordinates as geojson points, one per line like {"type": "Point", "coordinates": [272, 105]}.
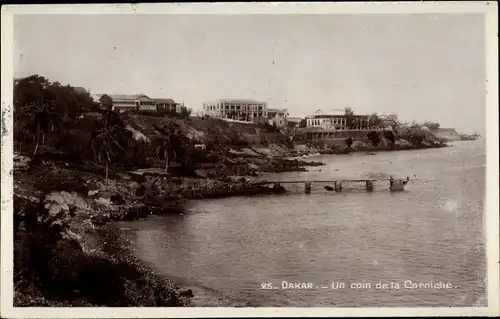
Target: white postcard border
{"type": "Point", "coordinates": [492, 176]}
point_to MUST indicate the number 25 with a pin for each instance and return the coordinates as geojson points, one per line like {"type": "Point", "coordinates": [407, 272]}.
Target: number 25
{"type": "Point", "coordinates": [266, 286]}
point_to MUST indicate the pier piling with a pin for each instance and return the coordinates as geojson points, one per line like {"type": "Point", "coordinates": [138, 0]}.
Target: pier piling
{"type": "Point", "coordinates": [338, 186]}
{"type": "Point", "coordinates": [369, 186]}
{"type": "Point", "coordinates": [307, 187]}
{"type": "Point", "coordinates": [394, 184]}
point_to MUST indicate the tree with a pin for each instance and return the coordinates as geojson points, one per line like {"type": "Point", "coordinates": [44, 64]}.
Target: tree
{"type": "Point", "coordinates": [302, 123]}
{"type": "Point", "coordinates": [31, 89]}
{"type": "Point", "coordinates": [432, 125]}
{"type": "Point", "coordinates": [43, 107]}
{"type": "Point", "coordinates": [163, 150]}
{"type": "Point", "coordinates": [106, 102]}
{"type": "Point", "coordinates": [350, 118]}
{"type": "Point", "coordinates": [392, 120]}
{"type": "Point", "coordinates": [43, 120]}
{"type": "Point", "coordinates": [163, 145]}
{"type": "Point", "coordinates": [374, 120]}
{"type": "Point", "coordinates": [393, 117]}
{"type": "Point", "coordinates": [66, 100]}
{"type": "Point", "coordinates": [185, 112]}
{"type": "Point", "coordinates": [110, 141]}
{"type": "Point", "coordinates": [171, 143]}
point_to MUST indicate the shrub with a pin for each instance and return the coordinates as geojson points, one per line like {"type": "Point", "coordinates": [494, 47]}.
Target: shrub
{"type": "Point", "coordinates": [374, 137]}
{"type": "Point", "coordinates": [348, 142]}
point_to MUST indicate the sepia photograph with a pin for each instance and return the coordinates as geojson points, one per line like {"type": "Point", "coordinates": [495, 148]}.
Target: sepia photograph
{"type": "Point", "coordinates": [160, 156]}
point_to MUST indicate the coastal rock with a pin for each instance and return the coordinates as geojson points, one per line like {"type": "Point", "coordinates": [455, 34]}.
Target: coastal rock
{"type": "Point", "coordinates": [92, 193]}
{"type": "Point", "coordinates": [357, 145]}
{"type": "Point", "coordinates": [263, 151]}
{"type": "Point", "coordinates": [404, 144]}
{"type": "Point", "coordinates": [100, 219]}
{"type": "Point", "coordinates": [249, 152]}
{"type": "Point", "coordinates": [57, 202]}
{"type": "Point", "coordinates": [253, 166]}
{"type": "Point", "coordinates": [117, 199]}
{"type": "Point", "coordinates": [301, 149]}
{"type": "Point", "coordinates": [137, 135]}
{"type": "Point", "coordinates": [103, 201]}
{"type": "Point", "coordinates": [186, 293]}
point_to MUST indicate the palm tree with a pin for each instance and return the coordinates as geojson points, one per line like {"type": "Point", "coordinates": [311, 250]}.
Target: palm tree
{"type": "Point", "coordinates": [109, 142]}
{"type": "Point", "coordinates": [171, 144]}
{"type": "Point", "coordinates": [43, 120]}
{"type": "Point", "coordinates": [163, 150]}
{"type": "Point", "coordinates": [168, 142]}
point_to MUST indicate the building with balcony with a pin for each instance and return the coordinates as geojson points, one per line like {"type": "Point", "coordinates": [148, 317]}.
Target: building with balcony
{"type": "Point", "coordinates": [237, 109]}
{"type": "Point", "coordinates": [167, 105]}
{"type": "Point", "coordinates": [337, 120]}
{"type": "Point", "coordinates": [123, 102]}
{"type": "Point", "coordinates": [278, 117]}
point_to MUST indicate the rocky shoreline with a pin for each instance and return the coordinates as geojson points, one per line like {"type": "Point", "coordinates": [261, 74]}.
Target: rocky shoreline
{"type": "Point", "coordinates": [77, 201]}
{"type": "Point", "coordinates": [70, 207]}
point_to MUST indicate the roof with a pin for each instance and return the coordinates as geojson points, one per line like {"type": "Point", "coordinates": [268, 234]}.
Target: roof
{"type": "Point", "coordinates": [320, 116]}
{"type": "Point", "coordinates": [123, 97]}
{"type": "Point", "coordinates": [242, 101]}
{"type": "Point", "coordinates": [165, 101]}
{"type": "Point", "coordinates": [127, 96]}
{"type": "Point", "coordinates": [330, 112]}
{"type": "Point", "coordinates": [277, 110]}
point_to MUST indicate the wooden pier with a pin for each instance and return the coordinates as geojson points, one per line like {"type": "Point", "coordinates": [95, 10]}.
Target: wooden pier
{"type": "Point", "coordinates": [393, 183]}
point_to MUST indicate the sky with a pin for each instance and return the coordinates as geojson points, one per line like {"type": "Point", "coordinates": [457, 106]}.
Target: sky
{"type": "Point", "coordinates": [423, 67]}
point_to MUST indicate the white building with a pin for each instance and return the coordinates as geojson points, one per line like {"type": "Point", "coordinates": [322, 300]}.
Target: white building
{"type": "Point", "coordinates": [236, 109]}
{"type": "Point", "coordinates": [278, 117]}
{"type": "Point", "coordinates": [126, 101]}
{"type": "Point", "coordinates": [337, 120]}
